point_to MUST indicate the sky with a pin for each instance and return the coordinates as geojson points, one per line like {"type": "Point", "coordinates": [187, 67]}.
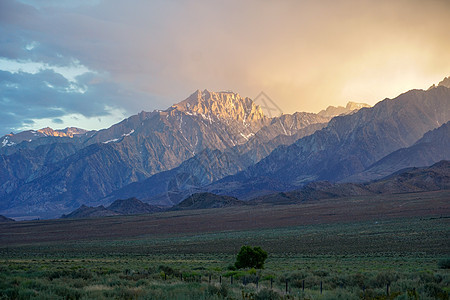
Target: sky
{"type": "Point", "coordinates": [91, 63]}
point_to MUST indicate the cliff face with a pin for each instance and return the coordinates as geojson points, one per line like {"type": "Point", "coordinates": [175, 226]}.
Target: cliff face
{"type": "Point", "coordinates": [223, 106]}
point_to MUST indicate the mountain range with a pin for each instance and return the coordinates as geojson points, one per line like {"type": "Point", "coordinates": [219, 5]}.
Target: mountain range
{"type": "Point", "coordinates": [410, 180]}
{"type": "Point", "coordinates": [52, 175]}
{"type": "Point", "coordinates": [222, 143]}
{"type": "Point", "coordinates": [348, 145]}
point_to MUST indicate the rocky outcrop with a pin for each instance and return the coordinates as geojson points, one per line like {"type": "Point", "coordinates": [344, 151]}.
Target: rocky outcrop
{"type": "Point", "coordinates": [207, 200]}
{"type": "Point", "coordinates": [223, 106]}
{"type": "Point", "coordinates": [67, 132]}
{"type": "Point", "coordinates": [89, 212]}
{"type": "Point", "coordinates": [133, 206]}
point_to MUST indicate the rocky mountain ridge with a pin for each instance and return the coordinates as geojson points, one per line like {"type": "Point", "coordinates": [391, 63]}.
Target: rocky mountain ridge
{"type": "Point", "coordinates": [351, 107]}
{"type": "Point", "coordinates": [411, 180]}
{"type": "Point", "coordinates": [224, 106]}
{"type": "Point", "coordinates": [98, 163]}
{"type": "Point", "coordinates": [347, 145]}
{"type": "Point", "coordinates": [214, 142]}
{"type": "Point", "coordinates": [28, 136]}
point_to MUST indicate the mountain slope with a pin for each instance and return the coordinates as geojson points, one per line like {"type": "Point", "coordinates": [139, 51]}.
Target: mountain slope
{"type": "Point", "coordinates": [170, 187]}
{"type": "Point", "coordinates": [434, 146]}
{"type": "Point", "coordinates": [25, 165]}
{"type": "Point", "coordinates": [5, 219]}
{"type": "Point", "coordinates": [432, 178]}
{"type": "Point", "coordinates": [349, 144]}
{"type": "Point", "coordinates": [436, 177]}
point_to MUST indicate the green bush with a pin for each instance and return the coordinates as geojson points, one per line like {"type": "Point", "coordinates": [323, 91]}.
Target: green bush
{"type": "Point", "coordinates": [384, 278]}
{"type": "Point", "coordinates": [168, 270]}
{"type": "Point", "coordinates": [218, 290]}
{"type": "Point", "coordinates": [444, 263]}
{"type": "Point", "coordinates": [435, 291]}
{"type": "Point", "coordinates": [249, 257]}
{"type": "Point", "coordinates": [266, 294]}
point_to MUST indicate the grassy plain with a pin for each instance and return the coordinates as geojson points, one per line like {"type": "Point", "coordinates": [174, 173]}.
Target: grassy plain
{"type": "Point", "coordinates": [355, 247]}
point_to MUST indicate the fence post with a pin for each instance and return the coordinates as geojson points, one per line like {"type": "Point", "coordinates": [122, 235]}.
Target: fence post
{"type": "Point", "coordinates": [220, 279]}
{"type": "Point", "coordinates": [181, 276]}
{"type": "Point", "coordinates": [209, 278]}
{"type": "Point", "coordinates": [287, 288]}
{"type": "Point", "coordinates": [387, 289]}
{"type": "Point", "coordinates": [303, 285]}
{"type": "Point", "coordinates": [321, 287]}
{"type": "Point", "coordinates": [257, 282]}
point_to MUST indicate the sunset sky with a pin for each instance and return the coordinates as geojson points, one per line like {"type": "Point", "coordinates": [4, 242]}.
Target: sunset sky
{"type": "Point", "coordinates": [92, 63]}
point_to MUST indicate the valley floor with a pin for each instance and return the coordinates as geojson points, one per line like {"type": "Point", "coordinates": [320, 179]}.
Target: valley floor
{"type": "Point", "coordinates": [355, 247]}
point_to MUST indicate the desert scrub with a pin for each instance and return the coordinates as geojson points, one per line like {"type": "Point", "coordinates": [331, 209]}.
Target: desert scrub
{"type": "Point", "coordinates": [444, 263]}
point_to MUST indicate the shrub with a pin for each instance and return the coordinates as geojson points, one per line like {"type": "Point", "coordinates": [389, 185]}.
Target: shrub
{"type": "Point", "coordinates": [249, 257]}
{"type": "Point", "coordinates": [444, 263]}
{"type": "Point", "coordinates": [384, 278]}
{"type": "Point", "coordinates": [168, 270]}
{"type": "Point", "coordinates": [435, 291]}
{"type": "Point", "coordinates": [221, 290]}
{"type": "Point", "coordinates": [266, 294]}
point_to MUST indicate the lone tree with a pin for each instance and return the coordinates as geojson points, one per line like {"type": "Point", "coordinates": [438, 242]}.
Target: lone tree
{"type": "Point", "coordinates": [249, 257]}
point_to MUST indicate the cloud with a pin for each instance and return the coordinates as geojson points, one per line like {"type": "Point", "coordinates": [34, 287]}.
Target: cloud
{"type": "Point", "coordinates": [142, 55]}
{"type": "Point", "coordinates": [27, 98]}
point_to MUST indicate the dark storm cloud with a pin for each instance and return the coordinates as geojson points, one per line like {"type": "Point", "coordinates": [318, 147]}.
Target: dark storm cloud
{"type": "Point", "coordinates": [142, 55]}
{"type": "Point", "coordinates": [47, 94]}
{"type": "Point", "coordinates": [55, 40]}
